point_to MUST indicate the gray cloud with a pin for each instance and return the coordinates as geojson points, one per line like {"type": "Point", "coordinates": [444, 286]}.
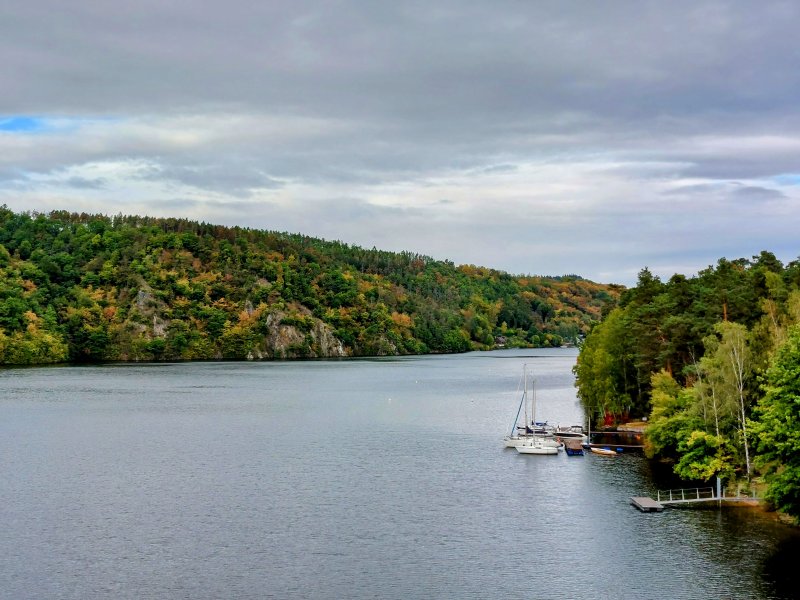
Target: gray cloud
{"type": "Point", "coordinates": [752, 193]}
{"type": "Point", "coordinates": [237, 180]}
{"type": "Point", "coordinates": [83, 183]}
{"type": "Point", "coordinates": [529, 136]}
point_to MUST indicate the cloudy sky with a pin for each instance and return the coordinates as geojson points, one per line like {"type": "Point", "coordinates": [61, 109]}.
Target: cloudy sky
{"type": "Point", "coordinates": [535, 137]}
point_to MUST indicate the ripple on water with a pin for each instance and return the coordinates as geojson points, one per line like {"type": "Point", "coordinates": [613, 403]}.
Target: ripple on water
{"type": "Point", "coordinates": [340, 479]}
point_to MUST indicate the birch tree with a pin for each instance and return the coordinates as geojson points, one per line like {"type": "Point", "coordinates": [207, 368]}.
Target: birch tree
{"type": "Point", "coordinates": [732, 359]}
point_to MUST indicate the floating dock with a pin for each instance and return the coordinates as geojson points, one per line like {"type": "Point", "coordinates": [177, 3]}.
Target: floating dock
{"type": "Point", "coordinates": [612, 446]}
{"type": "Point", "coordinates": [645, 504]}
{"type": "Point", "coordinates": [686, 496]}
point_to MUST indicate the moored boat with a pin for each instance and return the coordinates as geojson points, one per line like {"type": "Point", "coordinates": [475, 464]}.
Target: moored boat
{"type": "Point", "coordinates": [515, 441]}
{"type": "Point", "coordinates": [536, 446]}
{"type": "Point", "coordinates": [533, 437]}
{"type": "Point", "coordinates": [603, 451]}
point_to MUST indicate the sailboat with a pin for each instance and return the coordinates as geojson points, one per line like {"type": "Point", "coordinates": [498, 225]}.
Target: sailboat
{"type": "Point", "coordinates": [514, 438]}
{"type": "Point", "coordinates": [537, 443]}
{"type": "Point", "coordinates": [529, 442]}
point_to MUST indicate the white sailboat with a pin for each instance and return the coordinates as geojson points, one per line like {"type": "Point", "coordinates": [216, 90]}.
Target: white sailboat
{"type": "Point", "coordinates": [514, 438]}
{"type": "Point", "coordinates": [537, 445]}
{"type": "Point", "coordinates": [529, 443]}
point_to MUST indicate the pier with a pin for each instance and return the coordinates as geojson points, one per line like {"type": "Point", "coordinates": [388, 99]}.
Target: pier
{"type": "Point", "coordinates": [646, 504]}
{"type": "Point", "coordinates": [686, 496]}
{"type": "Point", "coordinates": [627, 440]}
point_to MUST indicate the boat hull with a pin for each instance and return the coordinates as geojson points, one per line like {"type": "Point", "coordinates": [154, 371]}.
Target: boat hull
{"type": "Point", "coordinates": [517, 441]}
{"type": "Point", "coordinates": [604, 451]}
{"type": "Point", "coordinates": [536, 449]}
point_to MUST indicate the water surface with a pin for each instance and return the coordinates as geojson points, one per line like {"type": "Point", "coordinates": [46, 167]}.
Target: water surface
{"type": "Point", "coordinates": [379, 478]}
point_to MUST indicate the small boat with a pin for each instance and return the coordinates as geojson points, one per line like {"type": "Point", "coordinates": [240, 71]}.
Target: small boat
{"type": "Point", "coordinates": [536, 446]}
{"type": "Point", "coordinates": [604, 451]}
{"type": "Point", "coordinates": [537, 427]}
{"type": "Point", "coordinates": [515, 441]}
{"type": "Point", "coordinates": [571, 431]}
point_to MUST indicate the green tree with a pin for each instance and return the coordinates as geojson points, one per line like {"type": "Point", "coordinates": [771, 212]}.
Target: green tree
{"type": "Point", "coordinates": [703, 456]}
{"type": "Point", "coordinates": [777, 427]}
{"type": "Point", "coordinates": [670, 420]}
{"type": "Point", "coordinates": [604, 375]}
{"type": "Point", "coordinates": [733, 355]}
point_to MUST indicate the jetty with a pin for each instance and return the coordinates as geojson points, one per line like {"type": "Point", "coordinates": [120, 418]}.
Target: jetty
{"type": "Point", "coordinates": [687, 496]}
{"type": "Point", "coordinates": [646, 504]}
{"type": "Point", "coordinates": [627, 440]}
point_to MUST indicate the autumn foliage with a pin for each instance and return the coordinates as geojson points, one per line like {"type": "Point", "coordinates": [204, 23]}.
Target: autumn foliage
{"type": "Point", "coordinates": [78, 287]}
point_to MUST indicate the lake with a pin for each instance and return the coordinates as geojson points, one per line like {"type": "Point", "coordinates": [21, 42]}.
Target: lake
{"type": "Point", "coordinates": [374, 478]}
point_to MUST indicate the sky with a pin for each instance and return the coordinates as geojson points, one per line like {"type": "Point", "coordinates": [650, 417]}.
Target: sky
{"type": "Point", "coordinates": [589, 138]}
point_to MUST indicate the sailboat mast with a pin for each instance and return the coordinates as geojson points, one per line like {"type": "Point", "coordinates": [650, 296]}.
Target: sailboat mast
{"type": "Point", "coordinates": [525, 394]}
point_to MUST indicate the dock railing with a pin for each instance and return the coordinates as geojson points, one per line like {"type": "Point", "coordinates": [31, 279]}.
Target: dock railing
{"type": "Point", "coordinates": [741, 494]}
{"type": "Point", "coordinates": [685, 495]}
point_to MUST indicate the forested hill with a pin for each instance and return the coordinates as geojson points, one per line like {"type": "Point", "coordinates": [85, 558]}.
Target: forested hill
{"type": "Point", "coordinates": [714, 362]}
{"type": "Point", "coordinates": [78, 287]}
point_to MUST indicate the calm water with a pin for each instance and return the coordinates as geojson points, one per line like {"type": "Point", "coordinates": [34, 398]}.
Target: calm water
{"type": "Point", "coordinates": [341, 479]}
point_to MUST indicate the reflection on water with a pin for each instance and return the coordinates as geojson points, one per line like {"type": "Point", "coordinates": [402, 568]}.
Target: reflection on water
{"type": "Point", "coordinates": [342, 479]}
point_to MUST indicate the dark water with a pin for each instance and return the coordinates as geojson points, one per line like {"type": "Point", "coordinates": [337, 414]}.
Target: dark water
{"type": "Point", "coordinates": [341, 479]}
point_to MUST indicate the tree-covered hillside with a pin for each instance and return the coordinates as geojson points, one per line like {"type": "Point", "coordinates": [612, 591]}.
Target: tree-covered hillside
{"type": "Point", "coordinates": [712, 361]}
{"type": "Point", "coordinates": [77, 287]}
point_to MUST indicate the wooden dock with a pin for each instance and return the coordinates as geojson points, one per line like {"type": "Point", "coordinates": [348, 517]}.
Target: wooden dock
{"type": "Point", "coordinates": [646, 504]}
{"type": "Point", "coordinates": [613, 446]}
{"type": "Point", "coordinates": [616, 439]}
{"type": "Point", "coordinates": [686, 496]}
